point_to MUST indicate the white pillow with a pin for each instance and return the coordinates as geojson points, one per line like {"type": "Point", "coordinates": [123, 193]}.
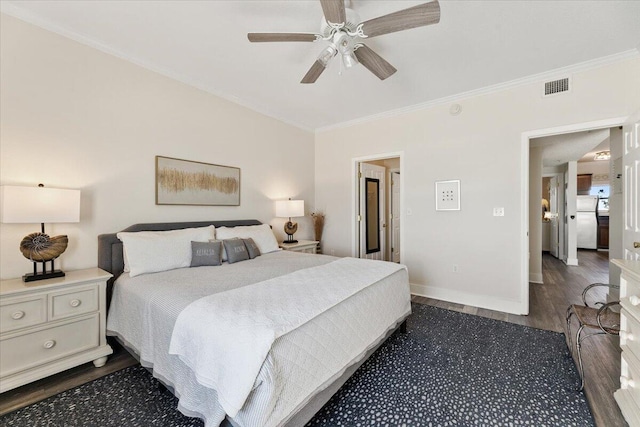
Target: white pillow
{"type": "Point", "coordinates": [153, 251]}
{"type": "Point", "coordinates": [261, 234]}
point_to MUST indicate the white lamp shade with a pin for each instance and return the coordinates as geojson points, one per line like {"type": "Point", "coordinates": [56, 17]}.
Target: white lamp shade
{"type": "Point", "coordinates": [289, 208]}
{"type": "Point", "coordinates": [30, 205]}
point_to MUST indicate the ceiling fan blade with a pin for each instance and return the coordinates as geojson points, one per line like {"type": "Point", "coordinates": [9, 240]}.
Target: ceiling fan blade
{"type": "Point", "coordinates": [374, 62]}
{"type": "Point", "coordinates": [281, 37]}
{"type": "Point", "coordinates": [334, 11]}
{"type": "Point", "coordinates": [314, 72]}
{"type": "Point", "coordinates": [417, 16]}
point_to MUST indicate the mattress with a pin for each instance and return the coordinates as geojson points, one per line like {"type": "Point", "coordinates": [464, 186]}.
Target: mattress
{"type": "Point", "coordinates": [144, 310]}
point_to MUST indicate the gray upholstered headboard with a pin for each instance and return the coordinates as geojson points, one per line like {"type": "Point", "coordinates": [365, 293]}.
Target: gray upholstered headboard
{"type": "Point", "coordinates": [110, 247]}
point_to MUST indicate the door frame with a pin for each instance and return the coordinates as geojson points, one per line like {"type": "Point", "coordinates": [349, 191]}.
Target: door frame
{"type": "Point", "coordinates": [390, 204]}
{"type": "Point", "coordinates": [355, 183]}
{"type": "Point", "coordinates": [524, 189]}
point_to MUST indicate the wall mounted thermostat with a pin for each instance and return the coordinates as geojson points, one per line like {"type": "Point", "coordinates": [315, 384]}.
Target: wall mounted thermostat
{"type": "Point", "coordinates": [448, 195]}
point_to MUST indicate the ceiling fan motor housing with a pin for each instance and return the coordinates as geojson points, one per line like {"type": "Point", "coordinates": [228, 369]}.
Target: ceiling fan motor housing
{"type": "Point", "coordinates": [353, 19]}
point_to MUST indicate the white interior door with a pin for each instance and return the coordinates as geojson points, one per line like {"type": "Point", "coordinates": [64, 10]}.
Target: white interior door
{"type": "Point", "coordinates": [631, 187]}
{"type": "Point", "coordinates": [395, 216]}
{"type": "Point", "coordinates": [553, 208]}
{"type": "Point", "coordinates": [372, 203]}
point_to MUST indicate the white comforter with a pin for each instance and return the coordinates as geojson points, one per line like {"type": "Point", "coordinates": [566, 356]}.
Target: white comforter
{"type": "Point", "coordinates": [144, 311]}
{"type": "Point", "coordinates": [225, 338]}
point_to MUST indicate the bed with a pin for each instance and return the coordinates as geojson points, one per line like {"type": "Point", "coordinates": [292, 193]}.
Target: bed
{"type": "Point", "coordinates": [155, 316]}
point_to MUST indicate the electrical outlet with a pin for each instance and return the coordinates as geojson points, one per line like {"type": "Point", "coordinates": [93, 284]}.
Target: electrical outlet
{"type": "Point", "coordinates": [333, 252]}
{"type": "Point", "coordinates": [498, 211]}
{"type": "Point", "coordinates": [455, 268]}
{"type": "Point", "coordinates": [409, 212]}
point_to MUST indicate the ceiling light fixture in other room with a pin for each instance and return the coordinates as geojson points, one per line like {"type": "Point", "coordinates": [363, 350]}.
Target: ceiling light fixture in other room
{"type": "Point", "coordinates": [602, 155]}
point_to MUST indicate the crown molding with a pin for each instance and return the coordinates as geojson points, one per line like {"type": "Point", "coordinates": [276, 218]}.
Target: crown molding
{"type": "Point", "coordinates": [534, 78]}
{"type": "Point", "coordinates": [11, 9]}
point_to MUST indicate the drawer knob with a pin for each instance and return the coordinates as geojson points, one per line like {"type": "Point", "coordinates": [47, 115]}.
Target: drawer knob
{"type": "Point", "coordinates": [49, 344]}
{"type": "Point", "coordinates": [634, 300]}
{"type": "Point", "coordinates": [17, 315]}
{"type": "Point", "coordinates": [74, 302]}
{"type": "Point", "coordinates": [626, 336]}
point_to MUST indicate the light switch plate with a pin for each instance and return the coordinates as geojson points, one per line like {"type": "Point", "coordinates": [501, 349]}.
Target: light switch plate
{"type": "Point", "coordinates": [448, 195]}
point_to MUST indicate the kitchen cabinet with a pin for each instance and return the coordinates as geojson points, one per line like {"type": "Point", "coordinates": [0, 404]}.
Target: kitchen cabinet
{"type": "Point", "coordinates": [584, 184]}
{"type": "Point", "coordinates": [603, 232]}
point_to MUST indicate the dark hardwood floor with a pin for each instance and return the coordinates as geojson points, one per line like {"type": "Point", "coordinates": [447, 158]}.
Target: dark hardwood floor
{"type": "Point", "coordinates": [548, 303]}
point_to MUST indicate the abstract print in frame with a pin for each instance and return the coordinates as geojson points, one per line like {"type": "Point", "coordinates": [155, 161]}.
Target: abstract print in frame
{"type": "Point", "coordinates": [186, 182]}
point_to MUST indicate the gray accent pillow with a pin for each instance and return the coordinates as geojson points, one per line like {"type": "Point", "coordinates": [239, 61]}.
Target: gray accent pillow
{"type": "Point", "coordinates": [236, 250]}
{"type": "Point", "coordinates": [252, 248]}
{"type": "Point", "coordinates": [224, 252]}
{"type": "Point", "coordinates": [206, 253]}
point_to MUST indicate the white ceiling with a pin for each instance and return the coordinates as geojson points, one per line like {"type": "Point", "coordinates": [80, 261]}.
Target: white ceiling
{"type": "Point", "coordinates": [560, 149]}
{"type": "Point", "coordinates": [475, 45]}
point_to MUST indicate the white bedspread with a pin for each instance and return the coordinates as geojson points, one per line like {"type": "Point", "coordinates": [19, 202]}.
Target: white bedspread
{"type": "Point", "coordinates": [144, 310]}
{"type": "Point", "coordinates": [225, 338]}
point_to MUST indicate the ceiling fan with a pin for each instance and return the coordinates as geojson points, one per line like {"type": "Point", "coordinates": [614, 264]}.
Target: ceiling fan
{"type": "Point", "coordinates": [342, 28]}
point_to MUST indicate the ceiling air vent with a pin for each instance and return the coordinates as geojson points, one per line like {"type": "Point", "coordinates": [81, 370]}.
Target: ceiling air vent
{"type": "Point", "coordinates": [556, 86]}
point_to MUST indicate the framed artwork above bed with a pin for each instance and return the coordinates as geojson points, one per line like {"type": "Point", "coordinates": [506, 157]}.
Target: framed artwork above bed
{"type": "Point", "coordinates": [186, 182]}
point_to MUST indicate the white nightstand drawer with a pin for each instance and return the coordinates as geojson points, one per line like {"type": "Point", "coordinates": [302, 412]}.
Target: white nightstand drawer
{"type": "Point", "coordinates": [629, 332]}
{"type": "Point", "coordinates": [25, 351]}
{"type": "Point", "coordinates": [73, 302]}
{"type": "Point", "coordinates": [17, 313]}
{"type": "Point", "coordinates": [630, 375]}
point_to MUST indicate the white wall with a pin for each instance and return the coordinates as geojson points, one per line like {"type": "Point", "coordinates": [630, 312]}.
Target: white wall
{"type": "Point", "coordinates": [74, 117]}
{"type": "Point", "coordinates": [616, 207]}
{"type": "Point", "coordinates": [571, 233]}
{"type": "Point", "coordinates": [482, 148]}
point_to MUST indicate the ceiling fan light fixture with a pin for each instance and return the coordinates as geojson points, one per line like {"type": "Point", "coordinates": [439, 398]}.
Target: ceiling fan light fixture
{"type": "Point", "coordinates": [327, 54]}
{"type": "Point", "coordinates": [349, 59]}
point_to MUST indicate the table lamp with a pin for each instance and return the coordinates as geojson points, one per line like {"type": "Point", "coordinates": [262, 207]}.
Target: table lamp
{"type": "Point", "coordinates": [288, 209]}
{"type": "Point", "coordinates": [26, 205]}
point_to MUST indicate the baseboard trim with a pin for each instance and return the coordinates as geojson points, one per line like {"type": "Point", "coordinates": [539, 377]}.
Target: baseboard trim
{"type": "Point", "coordinates": [466, 298]}
{"type": "Point", "coordinates": [536, 278]}
{"type": "Point", "coordinates": [571, 261]}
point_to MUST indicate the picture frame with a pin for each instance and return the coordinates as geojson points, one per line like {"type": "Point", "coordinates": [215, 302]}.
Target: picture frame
{"type": "Point", "coordinates": [193, 183]}
{"type": "Point", "coordinates": [448, 195]}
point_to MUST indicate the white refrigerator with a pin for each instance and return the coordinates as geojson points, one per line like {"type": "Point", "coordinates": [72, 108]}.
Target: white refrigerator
{"type": "Point", "coordinates": [587, 222]}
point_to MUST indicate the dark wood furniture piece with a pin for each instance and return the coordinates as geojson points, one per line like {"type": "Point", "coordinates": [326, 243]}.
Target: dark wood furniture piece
{"type": "Point", "coordinates": [584, 184]}
{"type": "Point", "coordinates": [603, 232]}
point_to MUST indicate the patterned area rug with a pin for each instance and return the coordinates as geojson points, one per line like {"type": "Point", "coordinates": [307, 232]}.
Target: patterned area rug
{"type": "Point", "coordinates": [450, 369]}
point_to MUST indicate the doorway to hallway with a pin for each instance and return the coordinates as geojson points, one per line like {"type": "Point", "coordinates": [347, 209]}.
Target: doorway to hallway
{"type": "Point", "coordinates": [378, 207]}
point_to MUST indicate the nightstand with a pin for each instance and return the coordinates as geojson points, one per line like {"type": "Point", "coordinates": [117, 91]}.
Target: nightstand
{"type": "Point", "coordinates": [52, 325]}
{"type": "Point", "coordinates": [306, 246]}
